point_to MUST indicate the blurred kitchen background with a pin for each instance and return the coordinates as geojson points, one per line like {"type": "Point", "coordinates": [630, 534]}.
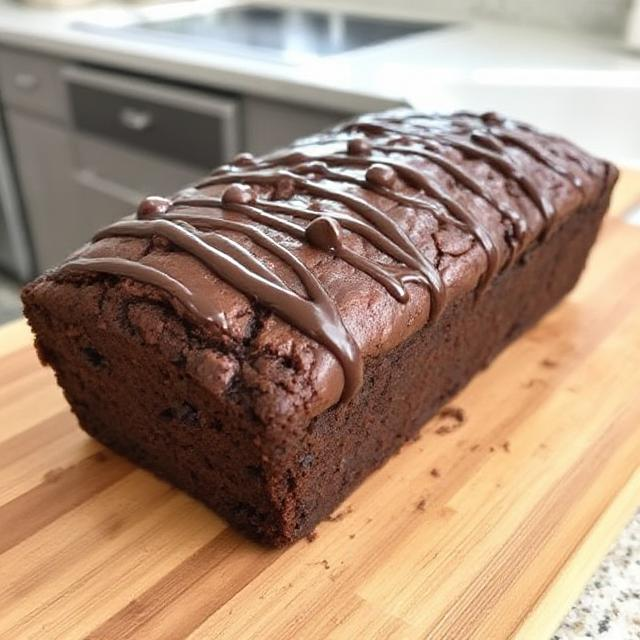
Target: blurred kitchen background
{"type": "Point", "coordinates": [101, 104]}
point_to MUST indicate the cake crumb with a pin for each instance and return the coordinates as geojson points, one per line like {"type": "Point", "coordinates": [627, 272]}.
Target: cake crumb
{"type": "Point", "coordinates": [422, 505]}
{"type": "Point", "coordinates": [325, 564]}
{"type": "Point", "coordinates": [475, 447]}
{"type": "Point", "coordinates": [548, 363]}
{"type": "Point", "coordinates": [506, 446]}
{"type": "Point", "coordinates": [492, 449]}
{"type": "Point", "coordinates": [454, 418]}
{"type": "Point", "coordinates": [457, 413]}
{"type": "Point", "coordinates": [312, 536]}
{"type": "Point", "coordinates": [434, 473]}
{"type": "Point", "coordinates": [352, 536]}
{"type": "Point", "coordinates": [341, 514]}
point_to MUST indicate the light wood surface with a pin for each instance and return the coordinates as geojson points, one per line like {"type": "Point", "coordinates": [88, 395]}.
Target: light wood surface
{"type": "Point", "coordinates": [489, 531]}
{"type": "Point", "coordinates": [627, 193]}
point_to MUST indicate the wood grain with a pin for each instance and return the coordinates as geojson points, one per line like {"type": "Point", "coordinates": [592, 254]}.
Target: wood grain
{"type": "Point", "coordinates": [489, 531]}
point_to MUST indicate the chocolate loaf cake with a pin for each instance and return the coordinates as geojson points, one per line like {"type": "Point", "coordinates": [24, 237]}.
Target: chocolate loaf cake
{"type": "Point", "coordinates": [267, 337]}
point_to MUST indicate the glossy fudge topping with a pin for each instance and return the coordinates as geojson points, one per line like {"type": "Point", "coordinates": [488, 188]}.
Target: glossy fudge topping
{"type": "Point", "coordinates": [349, 241]}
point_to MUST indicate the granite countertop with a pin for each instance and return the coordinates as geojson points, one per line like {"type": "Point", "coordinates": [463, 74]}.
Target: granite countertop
{"type": "Point", "coordinates": [609, 607]}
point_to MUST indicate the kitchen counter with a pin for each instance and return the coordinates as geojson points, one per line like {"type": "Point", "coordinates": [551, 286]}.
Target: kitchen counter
{"type": "Point", "coordinates": [589, 81]}
{"type": "Point", "coordinates": [327, 82]}
{"type": "Point", "coordinates": [560, 80]}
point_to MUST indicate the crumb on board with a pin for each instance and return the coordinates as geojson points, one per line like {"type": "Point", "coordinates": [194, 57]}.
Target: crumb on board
{"type": "Point", "coordinates": [312, 536]}
{"type": "Point", "coordinates": [341, 514]}
{"type": "Point", "coordinates": [422, 505]}
{"type": "Point", "coordinates": [506, 446]}
{"type": "Point", "coordinates": [434, 473]}
{"type": "Point", "coordinates": [450, 411]}
{"type": "Point", "coordinates": [452, 418]}
{"type": "Point", "coordinates": [475, 447]}
{"type": "Point", "coordinates": [352, 536]}
{"type": "Point", "coordinates": [492, 449]}
{"type": "Point", "coordinates": [549, 363]}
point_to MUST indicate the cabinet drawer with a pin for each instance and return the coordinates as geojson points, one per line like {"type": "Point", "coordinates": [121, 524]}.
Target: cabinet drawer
{"type": "Point", "coordinates": [183, 125]}
{"type": "Point", "coordinates": [56, 224]}
{"type": "Point", "coordinates": [126, 174]}
{"type": "Point", "coordinates": [100, 206]}
{"type": "Point", "coordinates": [33, 83]}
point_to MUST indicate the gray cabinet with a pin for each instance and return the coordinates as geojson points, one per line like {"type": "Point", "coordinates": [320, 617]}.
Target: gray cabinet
{"type": "Point", "coordinates": [132, 137]}
{"type": "Point", "coordinates": [15, 249]}
{"type": "Point", "coordinates": [183, 125]}
{"type": "Point", "coordinates": [32, 83]}
{"type": "Point", "coordinates": [42, 155]}
{"type": "Point", "coordinates": [269, 124]}
{"type": "Point", "coordinates": [89, 144]}
{"type": "Point", "coordinates": [32, 92]}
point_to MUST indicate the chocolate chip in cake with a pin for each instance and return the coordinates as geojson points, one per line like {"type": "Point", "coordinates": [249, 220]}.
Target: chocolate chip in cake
{"type": "Point", "coordinates": [94, 357]}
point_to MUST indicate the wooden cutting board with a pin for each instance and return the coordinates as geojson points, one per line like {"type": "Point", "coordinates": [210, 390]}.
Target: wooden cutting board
{"type": "Point", "coordinates": [488, 531]}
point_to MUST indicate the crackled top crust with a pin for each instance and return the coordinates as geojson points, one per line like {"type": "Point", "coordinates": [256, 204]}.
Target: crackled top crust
{"type": "Point", "coordinates": [341, 246]}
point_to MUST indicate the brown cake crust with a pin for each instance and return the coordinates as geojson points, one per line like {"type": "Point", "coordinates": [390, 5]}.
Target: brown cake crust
{"type": "Point", "coordinates": [246, 416]}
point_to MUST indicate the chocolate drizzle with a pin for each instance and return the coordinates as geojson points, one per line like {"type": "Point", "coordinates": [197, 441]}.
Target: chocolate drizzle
{"type": "Point", "coordinates": [482, 144]}
{"type": "Point", "coordinates": [381, 231]}
{"type": "Point", "coordinates": [371, 155]}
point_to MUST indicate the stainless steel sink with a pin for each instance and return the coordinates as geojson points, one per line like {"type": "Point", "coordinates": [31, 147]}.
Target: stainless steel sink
{"type": "Point", "coordinates": [287, 34]}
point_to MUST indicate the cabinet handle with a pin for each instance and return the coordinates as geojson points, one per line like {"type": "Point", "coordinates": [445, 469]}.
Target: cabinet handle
{"type": "Point", "coordinates": [135, 119]}
{"type": "Point", "coordinates": [25, 81]}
